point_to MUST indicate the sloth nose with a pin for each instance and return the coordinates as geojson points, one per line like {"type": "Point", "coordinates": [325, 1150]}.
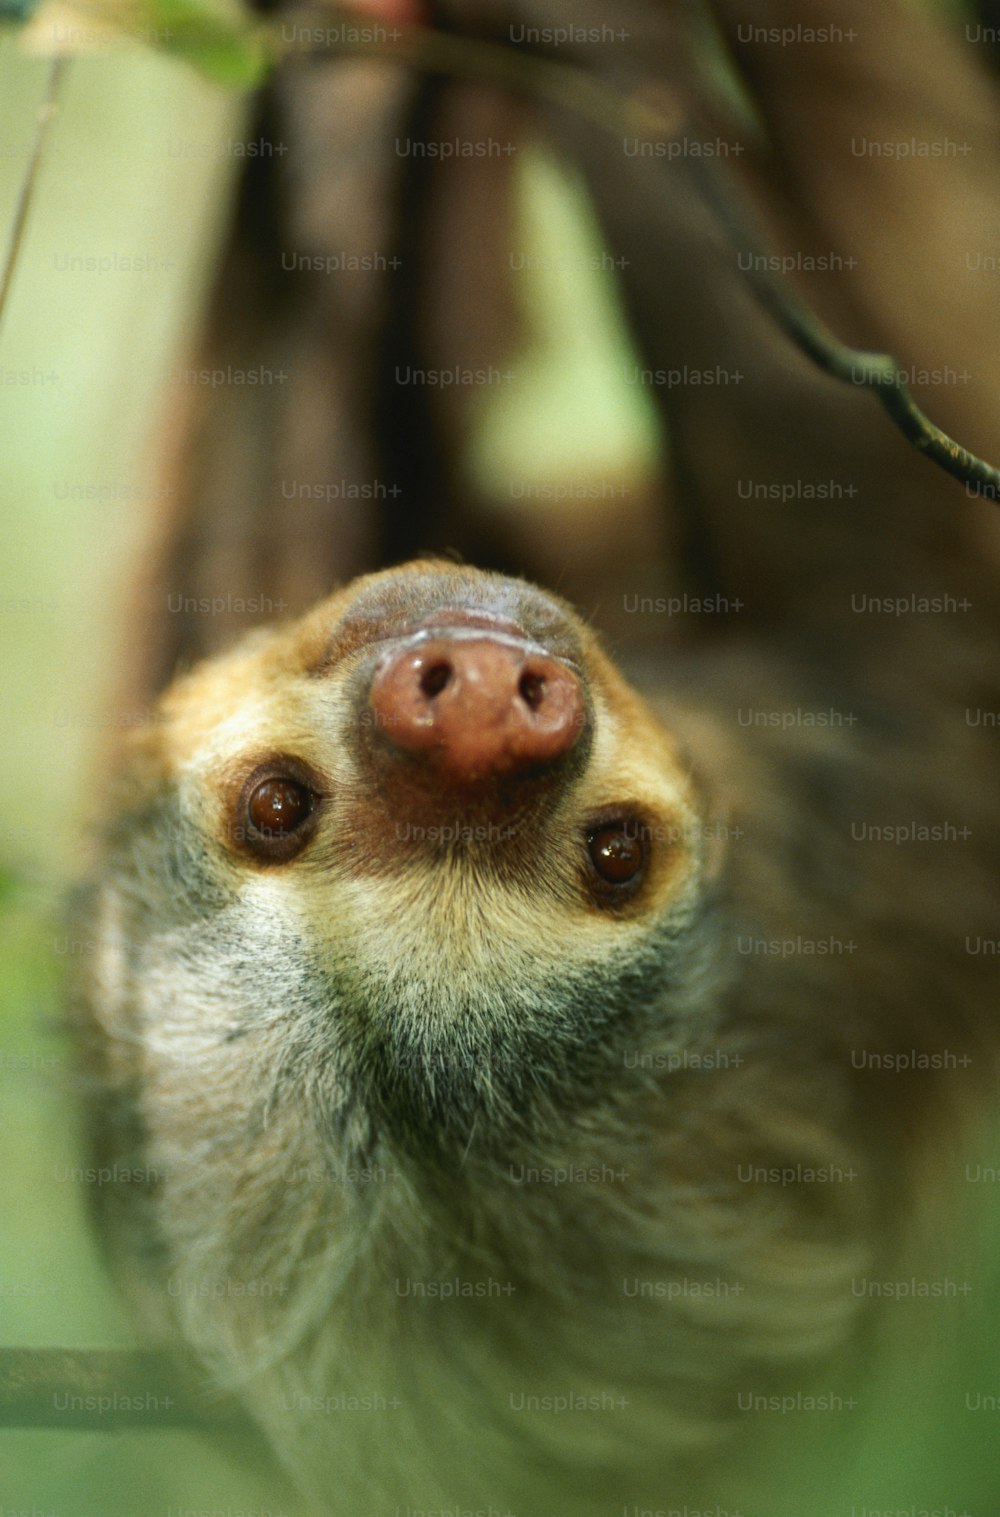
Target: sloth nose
{"type": "Point", "coordinates": [477, 707]}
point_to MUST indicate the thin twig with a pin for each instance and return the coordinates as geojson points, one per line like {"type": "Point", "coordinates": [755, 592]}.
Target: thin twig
{"type": "Point", "coordinates": [854, 366]}
{"type": "Point", "coordinates": [46, 111]}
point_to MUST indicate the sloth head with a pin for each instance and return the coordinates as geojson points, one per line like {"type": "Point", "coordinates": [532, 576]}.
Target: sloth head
{"type": "Point", "coordinates": [421, 865]}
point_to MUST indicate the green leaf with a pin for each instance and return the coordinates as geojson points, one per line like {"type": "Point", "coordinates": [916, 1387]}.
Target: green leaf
{"type": "Point", "coordinates": [231, 50]}
{"type": "Point", "coordinates": [232, 53]}
{"type": "Point", "coordinates": [17, 10]}
{"type": "Point", "coordinates": [12, 886]}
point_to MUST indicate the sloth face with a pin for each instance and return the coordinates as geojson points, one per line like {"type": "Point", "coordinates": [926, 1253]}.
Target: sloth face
{"type": "Point", "coordinates": [422, 858]}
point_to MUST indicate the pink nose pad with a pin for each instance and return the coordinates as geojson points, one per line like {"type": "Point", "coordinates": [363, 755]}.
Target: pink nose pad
{"type": "Point", "coordinates": [479, 708]}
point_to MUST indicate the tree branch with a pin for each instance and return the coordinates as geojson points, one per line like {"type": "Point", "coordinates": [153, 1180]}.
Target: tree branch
{"type": "Point", "coordinates": [102, 1390]}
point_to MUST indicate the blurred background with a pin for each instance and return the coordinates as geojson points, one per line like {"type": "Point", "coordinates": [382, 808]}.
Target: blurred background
{"type": "Point", "coordinates": [87, 349]}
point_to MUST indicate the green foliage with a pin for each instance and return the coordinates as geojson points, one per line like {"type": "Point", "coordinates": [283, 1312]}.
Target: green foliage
{"type": "Point", "coordinates": [229, 50]}
{"type": "Point", "coordinates": [17, 10]}
{"type": "Point", "coordinates": [231, 53]}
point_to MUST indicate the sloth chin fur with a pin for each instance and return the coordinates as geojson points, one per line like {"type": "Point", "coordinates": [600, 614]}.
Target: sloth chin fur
{"type": "Point", "coordinates": [477, 1177]}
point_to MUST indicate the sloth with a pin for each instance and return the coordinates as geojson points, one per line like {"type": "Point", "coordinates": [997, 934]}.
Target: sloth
{"type": "Point", "coordinates": [495, 1095]}
{"type": "Point", "coordinates": [520, 1067]}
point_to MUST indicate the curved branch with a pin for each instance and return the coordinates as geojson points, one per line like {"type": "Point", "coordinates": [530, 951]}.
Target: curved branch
{"type": "Point", "coordinates": [872, 371]}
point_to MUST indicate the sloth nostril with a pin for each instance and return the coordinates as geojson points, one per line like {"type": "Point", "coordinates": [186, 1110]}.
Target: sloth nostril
{"type": "Point", "coordinates": [532, 689]}
{"type": "Point", "coordinates": [434, 679]}
{"type": "Point", "coordinates": [476, 708]}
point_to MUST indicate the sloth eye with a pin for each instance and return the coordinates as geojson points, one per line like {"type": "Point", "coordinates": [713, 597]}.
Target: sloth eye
{"type": "Point", "coordinates": [276, 814]}
{"type": "Point", "coordinates": [618, 853]}
{"type": "Point", "coordinates": [278, 807]}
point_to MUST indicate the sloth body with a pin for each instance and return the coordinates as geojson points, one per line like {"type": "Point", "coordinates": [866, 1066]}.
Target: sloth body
{"type": "Point", "coordinates": [453, 1158]}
